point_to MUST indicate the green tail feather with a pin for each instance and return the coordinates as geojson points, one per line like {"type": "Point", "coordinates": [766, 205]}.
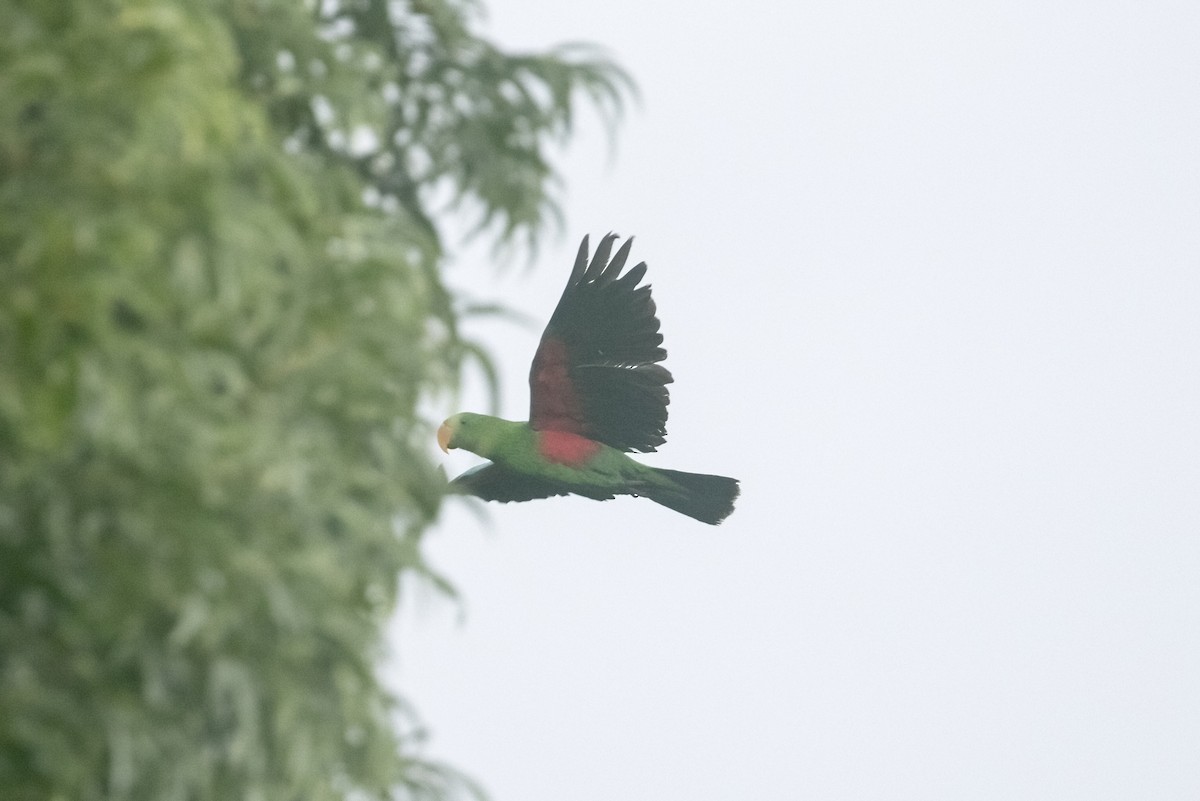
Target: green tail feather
{"type": "Point", "coordinates": [706, 498]}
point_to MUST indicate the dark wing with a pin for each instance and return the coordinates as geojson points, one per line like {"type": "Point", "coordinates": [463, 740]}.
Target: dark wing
{"type": "Point", "coordinates": [492, 482]}
{"type": "Point", "coordinates": [495, 483]}
{"type": "Point", "coordinates": [595, 372]}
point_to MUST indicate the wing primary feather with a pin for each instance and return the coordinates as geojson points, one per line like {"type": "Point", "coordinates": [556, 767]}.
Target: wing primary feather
{"type": "Point", "coordinates": [609, 276]}
{"type": "Point", "coordinates": [581, 263]}
{"type": "Point", "coordinates": [600, 258]}
{"type": "Point", "coordinates": [633, 277]}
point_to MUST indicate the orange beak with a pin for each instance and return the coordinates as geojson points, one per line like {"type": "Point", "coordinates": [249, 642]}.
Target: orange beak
{"type": "Point", "coordinates": [443, 437]}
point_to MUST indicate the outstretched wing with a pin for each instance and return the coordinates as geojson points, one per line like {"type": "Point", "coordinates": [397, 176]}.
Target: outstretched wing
{"type": "Point", "coordinates": [596, 370]}
{"type": "Point", "coordinates": [493, 482]}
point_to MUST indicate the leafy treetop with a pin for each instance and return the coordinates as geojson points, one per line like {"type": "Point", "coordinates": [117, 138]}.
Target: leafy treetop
{"type": "Point", "coordinates": [220, 254]}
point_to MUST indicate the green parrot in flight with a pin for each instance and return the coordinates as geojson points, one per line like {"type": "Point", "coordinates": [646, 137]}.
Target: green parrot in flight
{"type": "Point", "coordinates": [597, 391]}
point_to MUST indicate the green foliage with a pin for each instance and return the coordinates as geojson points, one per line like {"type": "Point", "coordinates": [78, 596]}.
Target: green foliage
{"type": "Point", "coordinates": [220, 306]}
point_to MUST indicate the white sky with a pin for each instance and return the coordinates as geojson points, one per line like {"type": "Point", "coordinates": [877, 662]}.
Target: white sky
{"type": "Point", "coordinates": [929, 276]}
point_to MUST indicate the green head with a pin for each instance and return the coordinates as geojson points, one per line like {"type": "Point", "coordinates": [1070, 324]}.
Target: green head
{"type": "Point", "coordinates": [476, 433]}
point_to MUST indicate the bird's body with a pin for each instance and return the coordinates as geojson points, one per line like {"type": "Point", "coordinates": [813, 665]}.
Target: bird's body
{"type": "Point", "coordinates": [596, 391]}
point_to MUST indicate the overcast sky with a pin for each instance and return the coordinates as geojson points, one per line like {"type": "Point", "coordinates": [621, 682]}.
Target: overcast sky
{"type": "Point", "coordinates": [929, 277]}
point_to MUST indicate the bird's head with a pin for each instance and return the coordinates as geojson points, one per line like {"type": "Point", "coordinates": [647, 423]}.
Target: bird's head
{"type": "Point", "coordinates": [478, 433]}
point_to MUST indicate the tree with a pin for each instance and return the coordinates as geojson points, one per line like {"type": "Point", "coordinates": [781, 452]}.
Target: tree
{"type": "Point", "coordinates": [221, 303]}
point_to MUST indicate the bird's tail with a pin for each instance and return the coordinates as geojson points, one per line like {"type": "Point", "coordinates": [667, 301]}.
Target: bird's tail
{"type": "Point", "coordinates": [708, 499]}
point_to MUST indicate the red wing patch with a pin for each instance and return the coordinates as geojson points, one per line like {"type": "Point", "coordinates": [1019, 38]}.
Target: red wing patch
{"type": "Point", "coordinates": [563, 447]}
{"type": "Point", "coordinates": [555, 402]}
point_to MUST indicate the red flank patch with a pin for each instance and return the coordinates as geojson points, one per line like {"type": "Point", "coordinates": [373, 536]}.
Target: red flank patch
{"type": "Point", "coordinates": [563, 447]}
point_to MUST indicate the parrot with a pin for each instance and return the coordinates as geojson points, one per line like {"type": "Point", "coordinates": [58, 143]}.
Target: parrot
{"type": "Point", "coordinates": [597, 392]}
